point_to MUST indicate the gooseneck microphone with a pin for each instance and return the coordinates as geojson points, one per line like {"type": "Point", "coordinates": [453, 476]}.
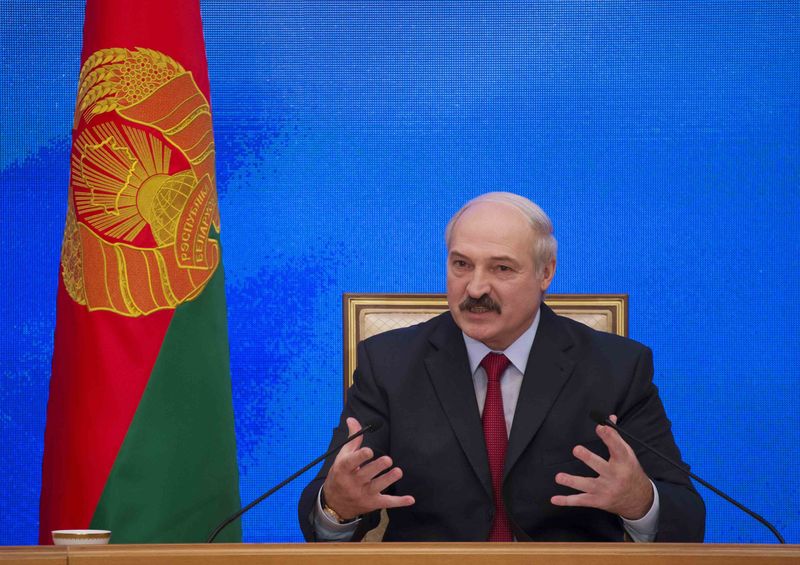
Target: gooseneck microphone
{"type": "Point", "coordinates": [371, 427]}
{"type": "Point", "coordinates": [598, 417]}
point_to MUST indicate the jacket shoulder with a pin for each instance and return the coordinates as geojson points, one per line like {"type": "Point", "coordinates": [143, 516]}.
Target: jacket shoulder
{"type": "Point", "coordinates": [585, 336]}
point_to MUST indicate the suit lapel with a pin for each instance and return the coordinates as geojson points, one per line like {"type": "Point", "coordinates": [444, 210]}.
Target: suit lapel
{"type": "Point", "coordinates": [548, 370]}
{"type": "Point", "coordinates": [448, 367]}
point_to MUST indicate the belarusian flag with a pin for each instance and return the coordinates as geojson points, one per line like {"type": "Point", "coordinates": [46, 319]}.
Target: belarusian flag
{"type": "Point", "coordinates": [140, 437]}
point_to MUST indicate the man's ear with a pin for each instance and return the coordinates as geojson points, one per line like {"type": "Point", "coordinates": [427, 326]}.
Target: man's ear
{"type": "Point", "coordinates": [548, 272]}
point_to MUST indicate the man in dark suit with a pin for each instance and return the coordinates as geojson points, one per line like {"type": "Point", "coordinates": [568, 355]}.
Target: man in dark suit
{"type": "Point", "coordinates": [486, 431]}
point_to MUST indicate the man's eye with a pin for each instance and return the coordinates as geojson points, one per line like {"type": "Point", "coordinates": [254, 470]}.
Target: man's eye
{"type": "Point", "coordinates": [459, 263]}
{"type": "Point", "coordinates": [504, 268]}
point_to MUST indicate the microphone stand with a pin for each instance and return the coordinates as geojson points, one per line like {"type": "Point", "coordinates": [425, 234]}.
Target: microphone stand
{"type": "Point", "coordinates": [334, 449]}
{"type": "Point", "coordinates": [602, 420]}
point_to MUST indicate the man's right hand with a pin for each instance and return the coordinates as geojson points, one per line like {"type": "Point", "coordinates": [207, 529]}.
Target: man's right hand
{"type": "Point", "coordinates": [353, 486]}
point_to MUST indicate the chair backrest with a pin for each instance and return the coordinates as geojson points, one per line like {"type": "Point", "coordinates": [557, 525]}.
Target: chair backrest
{"type": "Point", "coordinates": [368, 314]}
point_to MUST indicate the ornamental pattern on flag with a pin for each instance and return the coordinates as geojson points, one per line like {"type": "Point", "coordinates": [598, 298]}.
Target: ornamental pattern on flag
{"type": "Point", "coordinates": [143, 158]}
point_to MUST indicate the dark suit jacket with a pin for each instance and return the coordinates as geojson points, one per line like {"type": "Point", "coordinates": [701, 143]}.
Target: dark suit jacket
{"type": "Point", "coordinates": [417, 381]}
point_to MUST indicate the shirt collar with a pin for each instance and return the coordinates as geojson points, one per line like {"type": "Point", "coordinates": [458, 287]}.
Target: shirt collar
{"type": "Point", "coordinates": [517, 352]}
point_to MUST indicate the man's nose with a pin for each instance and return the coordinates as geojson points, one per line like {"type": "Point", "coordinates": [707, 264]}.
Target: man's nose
{"type": "Point", "coordinates": [478, 284]}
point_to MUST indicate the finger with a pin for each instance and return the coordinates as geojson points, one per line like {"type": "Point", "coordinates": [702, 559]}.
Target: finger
{"type": "Point", "coordinates": [617, 448]}
{"type": "Point", "coordinates": [582, 499]}
{"type": "Point", "coordinates": [381, 483]}
{"type": "Point", "coordinates": [353, 427]}
{"type": "Point", "coordinates": [592, 460]}
{"type": "Point", "coordinates": [388, 501]}
{"type": "Point", "coordinates": [373, 468]}
{"type": "Point", "coordinates": [583, 484]}
{"type": "Point", "coordinates": [350, 462]}
{"type": "Point", "coordinates": [354, 461]}
{"type": "Point", "coordinates": [613, 418]}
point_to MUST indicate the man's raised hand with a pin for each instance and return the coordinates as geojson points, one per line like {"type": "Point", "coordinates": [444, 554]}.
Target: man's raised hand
{"type": "Point", "coordinates": [355, 483]}
{"type": "Point", "coordinates": [621, 486]}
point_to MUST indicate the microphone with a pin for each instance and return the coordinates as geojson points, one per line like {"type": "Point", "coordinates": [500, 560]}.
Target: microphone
{"type": "Point", "coordinates": [371, 427]}
{"type": "Point", "coordinates": [601, 419]}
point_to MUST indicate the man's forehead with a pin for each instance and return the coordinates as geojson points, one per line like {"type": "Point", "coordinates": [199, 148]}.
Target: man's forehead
{"type": "Point", "coordinates": [465, 254]}
{"type": "Point", "coordinates": [515, 253]}
{"type": "Point", "coordinates": [492, 223]}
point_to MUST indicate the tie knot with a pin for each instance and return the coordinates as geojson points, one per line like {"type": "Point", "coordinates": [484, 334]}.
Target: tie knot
{"type": "Point", "coordinates": [495, 364]}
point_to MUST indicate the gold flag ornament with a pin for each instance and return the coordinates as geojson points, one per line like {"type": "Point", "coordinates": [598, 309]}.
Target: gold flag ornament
{"type": "Point", "coordinates": [142, 195]}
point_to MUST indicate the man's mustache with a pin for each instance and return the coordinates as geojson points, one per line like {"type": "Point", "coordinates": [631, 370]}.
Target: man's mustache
{"type": "Point", "coordinates": [483, 303]}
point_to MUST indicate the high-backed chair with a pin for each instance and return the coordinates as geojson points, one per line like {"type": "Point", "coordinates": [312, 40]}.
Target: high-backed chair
{"type": "Point", "coordinates": [368, 314]}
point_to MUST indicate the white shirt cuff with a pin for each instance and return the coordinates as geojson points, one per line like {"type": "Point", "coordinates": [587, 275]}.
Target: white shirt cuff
{"type": "Point", "coordinates": [331, 530]}
{"type": "Point", "coordinates": [645, 528]}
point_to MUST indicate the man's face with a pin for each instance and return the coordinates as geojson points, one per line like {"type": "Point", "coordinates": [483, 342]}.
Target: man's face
{"type": "Point", "coordinates": [493, 289]}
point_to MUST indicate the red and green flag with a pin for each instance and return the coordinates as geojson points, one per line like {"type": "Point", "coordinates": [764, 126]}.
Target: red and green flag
{"type": "Point", "coordinates": [140, 434]}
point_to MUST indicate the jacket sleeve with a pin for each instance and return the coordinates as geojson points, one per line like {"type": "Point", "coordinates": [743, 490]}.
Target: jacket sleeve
{"type": "Point", "coordinates": [682, 511]}
{"type": "Point", "coordinates": [366, 402]}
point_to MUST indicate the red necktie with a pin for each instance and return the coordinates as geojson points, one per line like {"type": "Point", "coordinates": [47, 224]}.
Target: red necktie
{"type": "Point", "coordinates": [496, 436]}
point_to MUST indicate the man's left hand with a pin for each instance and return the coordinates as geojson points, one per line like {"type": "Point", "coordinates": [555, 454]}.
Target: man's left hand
{"type": "Point", "coordinates": [621, 486]}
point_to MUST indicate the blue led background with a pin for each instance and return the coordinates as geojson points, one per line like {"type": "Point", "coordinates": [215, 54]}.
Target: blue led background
{"type": "Point", "coordinates": [663, 138]}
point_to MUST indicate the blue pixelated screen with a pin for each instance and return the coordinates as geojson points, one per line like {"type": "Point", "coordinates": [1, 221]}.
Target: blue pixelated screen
{"type": "Point", "coordinates": [662, 138]}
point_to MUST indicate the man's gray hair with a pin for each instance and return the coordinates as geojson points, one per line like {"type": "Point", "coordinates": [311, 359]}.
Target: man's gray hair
{"type": "Point", "coordinates": [545, 244]}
